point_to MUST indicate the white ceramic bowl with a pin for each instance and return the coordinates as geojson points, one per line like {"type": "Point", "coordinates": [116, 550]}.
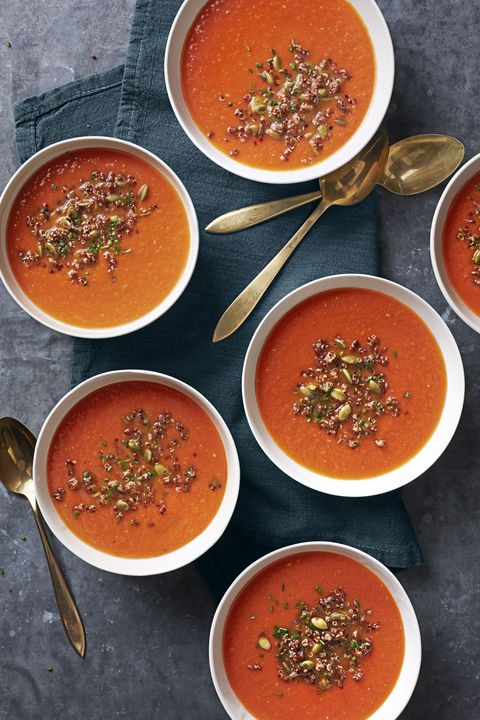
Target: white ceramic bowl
{"type": "Point", "coordinates": [385, 66]}
{"type": "Point", "coordinates": [134, 566]}
{"type": "Point", "coordinates": [457, 182]}
{"type": "Point", "coordinates": [403, 689]}
{"type": "Point", "coordinates": [30, 167]}
{"type": "Point", "coordinates": [425, 457]}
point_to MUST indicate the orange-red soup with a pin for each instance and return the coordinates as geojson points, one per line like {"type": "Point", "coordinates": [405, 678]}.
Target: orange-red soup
{"type": "Point", "coordinates": [270, 599]}
{"type": "Point", "coordinates": [123, 273]}
{"type": "Point", "coordinates": [229, 47]}
{"type": "Point", "coordinates": [414, 372]}
{"type": "Point", "coordinates": [461, 240]}
{"type": "Point", "coordinates": [94, 435]}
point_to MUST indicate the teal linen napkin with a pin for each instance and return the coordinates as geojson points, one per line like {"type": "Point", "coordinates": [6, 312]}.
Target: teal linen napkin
{"type": "Point", "coordinates": [131, 102]}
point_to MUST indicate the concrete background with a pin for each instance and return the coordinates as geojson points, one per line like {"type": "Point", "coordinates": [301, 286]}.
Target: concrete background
{"type": "Point", "coordinates": [147, 638]}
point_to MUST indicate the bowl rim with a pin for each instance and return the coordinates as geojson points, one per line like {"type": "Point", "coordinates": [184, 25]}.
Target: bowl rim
{"type": "Point", "coordinates": [43, 157]}
{"type": "Point", "coordinates": [114, 563]}
{"type": "Point", "coordinates": [455, 185]}
{"type": "Point", "coordinates": [382, 93]}
{"type": "Point", "coordinates": [409, 672]}
{"type": "Point", "coordinates": [426, 455]}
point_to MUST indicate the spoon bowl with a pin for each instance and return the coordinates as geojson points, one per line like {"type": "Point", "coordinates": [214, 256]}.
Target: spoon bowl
{"type": "Point", "coordinates": [17, 447]}
{"type": "Point", "coordinates": [420, 162]}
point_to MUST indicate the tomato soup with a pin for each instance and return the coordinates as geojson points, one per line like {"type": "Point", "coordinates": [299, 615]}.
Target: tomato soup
{"type": "Point", "coordinates": [278, 89]}
{"type": "Point", "coordinates": [461, 244]}
{"type": "Point", "coordinates": [97, 238]}
{"type": "Point", "coordinates": [137, 469]}
{"type": "Point", "coordinates": [314, 635]}
{"type": "Point", "coordinates": [351, 383]}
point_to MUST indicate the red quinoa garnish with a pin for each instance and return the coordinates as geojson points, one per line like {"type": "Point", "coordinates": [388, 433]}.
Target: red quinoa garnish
{"type": "Point", "coordinates": [470, 233]}
{"type": "Point", "coordinates": [326, 642]}
{"type": "Point", "coordinates": [346, 392]}
{"type": "Point", "coordinates": [139, 470]}
{"type": "Point", "coordinates": [301, 102]}
{"type": "Point", "coordinates": [89, 223]}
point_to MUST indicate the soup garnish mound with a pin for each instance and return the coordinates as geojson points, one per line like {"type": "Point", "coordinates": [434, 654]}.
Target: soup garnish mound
{"type": "Point", "coordinates": [88, 223]}
{"type": "Point", "coordinates": [300, 102]}
{"type": "Point", "coordinates": [325, 643]}
{"type": "Point", "coordinates": [469, 233]}
{"type": "Point", "coordinates": [141, 469]}
{"type": "Point", "coordinates": [346, 392]}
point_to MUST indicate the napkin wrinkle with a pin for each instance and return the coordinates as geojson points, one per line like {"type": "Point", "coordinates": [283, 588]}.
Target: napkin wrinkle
{"type": "Point", "coordinates": [273, 510]}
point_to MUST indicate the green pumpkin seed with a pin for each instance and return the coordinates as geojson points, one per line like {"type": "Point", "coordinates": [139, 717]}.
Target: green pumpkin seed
{"type": "Point", "coordinates": [338, 616]}
{"type": "Point", "coordinates": [51, 249]}
{"type": "Point", "coordinates": [340, 122]}
{"type": "Point", "coordinates": [322, 131]}
{"type": "Point", "coordinates": [147, 454]}
{"type": "Point", "coordinates": [161, 469]}
{"type": "Point", "coordinates": [319, 623]}
{"type": "Point", "coordinates": [340, 343]}
{"type": "Point", "coordinates": [114, 198]}
{"type": "Point", "coordinates": [133, 445]}
{"type": "Point", "coordinates": [257, 105]}
{"type": "Point", "coordinates": [122, 505]}
{"type": "Point", "coordinates": [351, 359]}
{"type": "Point", "coordinates": [273, 134]}
{"type": "Point", "coordinates": [374, 387]}
{"type": "Point", "coordinates": [316, 648]}
{"type": "Point", "coordinates": [264, 643]}
{"type": "Point", "coordinates": [307, 664]}
{"type": "Point", "coordinates": [476, 257]}
{"type": "Point", "coordinates": [143, 192]}
{"type": "Point", "coordinates": [338, 394]}
{"type": "Point", "coordinates": [347, 375]}
{"type": "Point", "coordinates": [344, 412]}
{"type": "Point", "coordinates": [266, 76]}
{"type": "Point", "coordinates": [304, 390]}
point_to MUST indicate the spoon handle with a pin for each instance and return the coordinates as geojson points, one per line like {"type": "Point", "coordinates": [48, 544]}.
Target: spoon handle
{"type": "Point", "coordinates": [242, 306]}
{"type": "Point", "coordinates": [71, 619]}
{"type": "Point", "coordinates": [246, 217]}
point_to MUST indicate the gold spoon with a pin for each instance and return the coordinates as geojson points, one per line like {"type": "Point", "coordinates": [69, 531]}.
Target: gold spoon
{"type": "Point", "coordinates": [346, 186]}
{"type": "Point", "coordinates": [17, 446]}
{"type": "Point", "coordinates": [414, 165]}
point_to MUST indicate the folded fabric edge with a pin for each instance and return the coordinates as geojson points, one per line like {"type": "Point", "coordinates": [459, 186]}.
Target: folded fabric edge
{"type": "Point", "coordinates": [27, 111]}
{"type": "Point", "coordinates": [409, 556]}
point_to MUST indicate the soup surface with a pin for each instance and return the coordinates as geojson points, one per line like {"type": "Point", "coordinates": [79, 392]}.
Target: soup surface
{"type": "Point", "coordinates": [274, 89]}
{"type": "Point", "coordinates": [137, 469]}
{"type": "Point", "coordinates": [461, 244]}
{"type": "Point", "coordinates": [342, 383]}
{"type": "Point", "coordinates": [315, 635]}
{"type": "Point", "coordinates": [97, 238]}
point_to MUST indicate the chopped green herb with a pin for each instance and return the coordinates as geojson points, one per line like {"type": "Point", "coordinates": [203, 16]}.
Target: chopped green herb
{"type": "Point", "coordinates": [23, 538]}
{"type": "Point", "coordinates": [49, 669]}
{"type": "Point", "coordinates": [407, 394]}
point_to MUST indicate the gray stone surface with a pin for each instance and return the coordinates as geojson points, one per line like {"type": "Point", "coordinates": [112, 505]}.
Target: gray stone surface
{"type": "Point", "coordinates": [147, 651]}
